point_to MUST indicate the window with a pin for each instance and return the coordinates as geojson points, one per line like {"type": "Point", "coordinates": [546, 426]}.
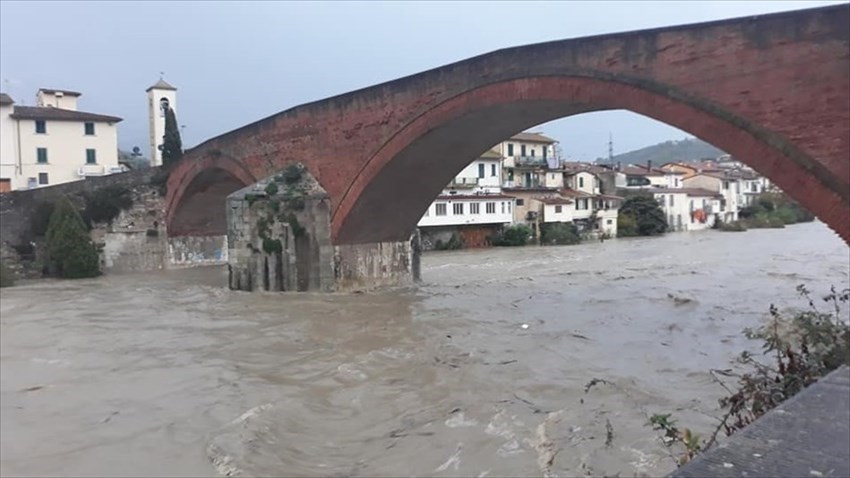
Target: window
{"type": "Point", "coordinates": [671, 200]}
{"type": "Point", "coordinates": [503, 207]}
{"type": "Point", "coordinates": [492, 170]}
{"type": "Point", "coordinates": [91, 157]}
{"type": "Point", "coordinates": [532, 153]}
{"type": "Point", "coordinates": [42, 178]}
{"type": "Point", "coordinates": [491, 208]}
{"type": "Point", "coordinates": [545, 150]}
{"type": "Point", "coordinates": [520, 202]}
{"type": "Point", "coordinates": [754, 188]}
{"type": "Point", "coordinates": [163, 106]}
{"type": "Point", "coordinates": [89, 129]}
{"type": "Point", "coordinates": [480, 170]}
{"type": "Point", "coordinates": [725, 184]}
{"type": "Point", "coordinates": [440, 209]}
{"type": "Point", "coordinates": [522, 150]}
{"type": "Point", "coordinates": [509, 207]}
{"type": "Point", "coordinates": [41, 155]}
{"type": "Point", "coordinates": [474, 208]}
{"type": "Point", "coordinates": [40, 127]}
{"type": "Point", "coordinates": [558, 209]}
{"type": "Point", "coordinates": [457, 209]}
{"type": "Point", "coordinates": [737, 187]}
{"type": "Point", "coordinates": [610, 221]}
{"type": "Point", "coordinates": [510, 149]}
{"type": "Point", "coordinates": [581, 204]}
{"type": "Point", "coordinates": [580, 182]}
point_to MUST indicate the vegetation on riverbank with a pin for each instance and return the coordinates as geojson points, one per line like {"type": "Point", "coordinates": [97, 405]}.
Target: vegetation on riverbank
{"type": "Point", "coordinates": [640, 215]}
{"type": "Point", "coordinates": [71, 252]}
{"type": "Point", "coordinates": [559, 233]}
{"type": "Point", "coordinates": [7, 277]}
{"type": "Point", "coordinates": [516, 235]}
{"type": "Point", "coordinates": [769, 210]}
{"type": "Point", "coordinates": [799, 347]}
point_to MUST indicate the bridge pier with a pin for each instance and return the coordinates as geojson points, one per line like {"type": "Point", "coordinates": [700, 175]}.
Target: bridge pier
{"type": "Point", "coordinates": [279, 239]}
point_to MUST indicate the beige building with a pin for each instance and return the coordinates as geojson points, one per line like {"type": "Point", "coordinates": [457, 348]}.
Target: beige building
{"type": "Point", "coordinates": [53, 142]}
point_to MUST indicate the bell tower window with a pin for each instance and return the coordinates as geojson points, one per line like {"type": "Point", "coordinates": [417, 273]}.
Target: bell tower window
{"type": "Point", "coordinates": [163, 106]}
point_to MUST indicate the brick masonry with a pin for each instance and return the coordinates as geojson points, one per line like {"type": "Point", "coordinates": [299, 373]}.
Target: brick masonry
{"type": "Point", "coordinates": [771, 90]}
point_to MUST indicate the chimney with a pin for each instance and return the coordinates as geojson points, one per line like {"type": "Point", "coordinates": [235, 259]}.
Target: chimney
{"type": "Point", "coordinates": [619, 165]}
{"type": "Point", "coordinates": [648, 165]}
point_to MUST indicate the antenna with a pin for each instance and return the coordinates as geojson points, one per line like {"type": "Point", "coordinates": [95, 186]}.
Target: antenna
{"type": "Point", "coordinates": [610, 147]}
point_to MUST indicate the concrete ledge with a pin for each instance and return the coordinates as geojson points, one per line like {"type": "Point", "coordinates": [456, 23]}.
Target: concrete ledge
{"type": "Point", "coordinates": [806, 436]}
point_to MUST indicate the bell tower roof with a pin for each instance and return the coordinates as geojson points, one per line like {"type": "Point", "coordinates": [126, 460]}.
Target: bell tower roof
{"type": "Point", "coordinates": [161, 85]}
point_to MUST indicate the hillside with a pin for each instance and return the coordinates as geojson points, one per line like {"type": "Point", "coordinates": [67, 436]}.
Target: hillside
{"type": "Point", "coordinates": [686, 150]}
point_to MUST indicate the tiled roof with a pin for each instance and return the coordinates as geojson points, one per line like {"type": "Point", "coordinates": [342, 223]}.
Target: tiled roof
{"type": "Point", "coordinates": [533, 138]}
{"type": "Point", "coordinates": [641, 171]}
{"type": "Point", "coordinates": [688, 191]}
{"type": "Point", "coordinates": [573, 193]}
{"type": "Point", "coordinates": [537, 189]}
{"type": "Point", "coordinates": [483, 197]}
{"type": "Point", "coordinates": [491, 154]}
{"type": "Point", "coordinates": [554, 200]}
{"type": "Point", "coordinates": [161, 85]}
{"type": "Point", "coordinates": [64, 92]}
{"type": "Point", "coordinates": [58, 114]}
{"type": "Point", "coordinates": [6, 99]}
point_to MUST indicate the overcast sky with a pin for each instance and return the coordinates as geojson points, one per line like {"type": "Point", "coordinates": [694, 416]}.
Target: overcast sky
{"type": "Point", "coordinates": [234, 63]}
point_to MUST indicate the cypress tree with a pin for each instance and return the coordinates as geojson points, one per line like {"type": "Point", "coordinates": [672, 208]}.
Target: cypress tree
{"type": "Point", "coordinates": [69, 246]}
{"type": "Point", "coordinates": [172, 145]}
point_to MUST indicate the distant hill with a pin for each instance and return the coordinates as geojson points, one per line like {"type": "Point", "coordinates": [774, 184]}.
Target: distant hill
{"type": "Point", "coordinates": [686, 150]}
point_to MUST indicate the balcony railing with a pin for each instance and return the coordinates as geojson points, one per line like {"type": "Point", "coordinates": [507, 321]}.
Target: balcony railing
{"type": "Point", "coordinates": [468, 182]}
{"type": "Point", "coordinates": [530, 161]}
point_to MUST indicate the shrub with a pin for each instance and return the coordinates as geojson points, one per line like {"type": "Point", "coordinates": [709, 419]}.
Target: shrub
{"type": "Point", "coordinates": [626, 225]}
{"type": "Point", "coordinates": [292, 174]}
{"type": "Point", "coordinates": [455, 242]}
{"type": "Point", "coordinates": [271, 188]}
{"type": "Point", "coordinates": [559, 233]}
{"type": "Point", "coordinates": [72, 253]}
{"type": "Point", "coordinates": [7, 277]}
{"type": "Point", "coordinates": [41, 218]}
{"type": "Point", "coordinates": [517, 235]}
{"type": "Point", "coordinates": [105, 204]}
{"type": "Point", "coordinates": [734, 226]}
{"type": "Point", "coordinates": [647, 214]}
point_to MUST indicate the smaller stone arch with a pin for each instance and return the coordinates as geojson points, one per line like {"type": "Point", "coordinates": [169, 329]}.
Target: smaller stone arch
{"type": "Point", "coordinates": [197, 191]}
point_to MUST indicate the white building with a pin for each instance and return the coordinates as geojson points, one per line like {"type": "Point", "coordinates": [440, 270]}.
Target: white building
{"type": "Point", "coordinates": [53, 142]}
{"type": "Point", "coordinates": [527, 158]}
{"type": "Point", "coordinates": [728, 184]}
{"type": "Point", "coordinates": [161, 97]}
{"type": "Point", "coordinates": [471, 205]}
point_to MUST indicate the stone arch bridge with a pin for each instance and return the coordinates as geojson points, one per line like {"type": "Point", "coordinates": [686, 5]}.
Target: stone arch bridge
{"type": "Point", "coordinates": [772, 90]}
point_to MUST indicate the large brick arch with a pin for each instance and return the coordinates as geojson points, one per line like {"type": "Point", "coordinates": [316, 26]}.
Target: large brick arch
{"type": "Point", "coordinates": [774, 90]}
{"type": "Point", "coordinates": [396, 185]}
{"type": "Point", "coordinates": [196, 191]}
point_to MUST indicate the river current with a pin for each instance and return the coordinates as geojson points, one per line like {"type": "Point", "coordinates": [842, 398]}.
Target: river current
{"type": "Point", "coordinates": [481, 370]}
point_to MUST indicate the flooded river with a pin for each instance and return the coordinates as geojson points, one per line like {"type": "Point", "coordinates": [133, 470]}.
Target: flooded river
{"type": "Point", "coordinates": [170, 374]}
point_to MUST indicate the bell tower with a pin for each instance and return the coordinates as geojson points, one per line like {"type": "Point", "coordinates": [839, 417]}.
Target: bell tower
{"type": "Point", "coordinates": [161, 96]}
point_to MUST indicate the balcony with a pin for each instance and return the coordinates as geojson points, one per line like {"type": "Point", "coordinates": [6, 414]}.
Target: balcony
{"type": "Point", "coordinates": [464, 183]}
{"type": "Point", "coordinates": [533, 161]}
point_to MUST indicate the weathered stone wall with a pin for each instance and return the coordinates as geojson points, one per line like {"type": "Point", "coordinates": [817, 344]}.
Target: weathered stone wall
{"type": "Point", "coordinates": [17, 207]}
{"type": "Point", "coordinates": [370, 266]}
{"type": "Point", "coordinates": [190, 251]}
{"type": "Point", "coordinates": [136, 239]}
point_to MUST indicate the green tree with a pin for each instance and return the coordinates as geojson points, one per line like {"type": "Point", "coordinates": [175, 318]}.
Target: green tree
{"type": "Point", "coordinates": [516, 235]}
{"type": "Point", "coordinates": [559, 233]}
{"type": "Point", "coordinates": [647, 214]}
{"type": "Point", "coordinates": [172, 145]}
{"type": "Point", "coordinates": [72, 253]}
{"type": "Point", "coordinates": [7, 277]}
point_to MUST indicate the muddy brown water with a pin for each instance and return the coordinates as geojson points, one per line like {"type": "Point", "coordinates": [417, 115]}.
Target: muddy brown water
{"type": "Point", "coordinates": [170, 374]}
